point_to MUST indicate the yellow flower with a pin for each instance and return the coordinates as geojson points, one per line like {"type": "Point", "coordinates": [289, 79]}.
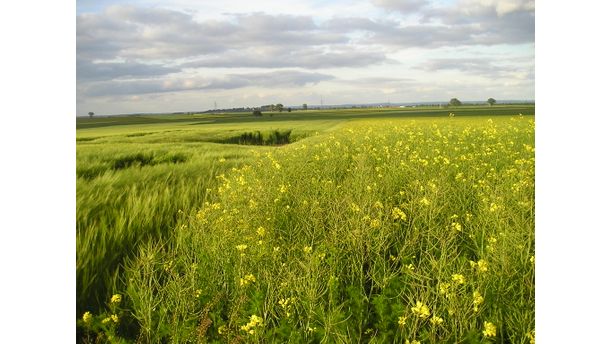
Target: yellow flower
{"type": "Point", "coordinates": [375, 223]}
{"type": "Point", "coordinates": [241, 247]}
{"type": "Point", "coordinates": [532, 259]}
{"type": "Point", "coordinates": [222, 329]}
{"type": "Point", "coordinates": [87, 317]}
{"type": "Point", "coordinates": [489, 329]}
{"type": "Point", "coordinates": [247, 280]}
{"type": "Point", "coordinates": [436, 320]}
{"type": "Point", "coordinates": [421, 310]}
{"type": "Point", "coordinates": [261, 231]}
{"type": "Point", "coordinates": [478, 300]}
{"type": "Point", "coordinates": [307, 249]}
{"type": "Point", "coordinates": [401, 321]}
{"type": "Point", "coordinates": [480, 266]}
{"type": "Point", "coordinates": [424, 201]}
{"type": "Point", "coordinates": [443, 288]}
{"type": "Point", "coordinates": [114, 318]}
{"type": "Point", "coordinates": [116, 298]}
{"type": "Point", "coordinates": [106, 320]}
{"type": "Point", "coordinates": [409, 267]}
{"type": "Point", "coordinates": [458, 278]}
{"type": "Point", "coordinates": [456, 226]}
{"type": "Point", "coordinates": [531, 336]}
{"type": "Point", "coordinates": [285, 303]}
{"type": "Point", "coordinates": [253, 322]}
{"type": "Point", "coordinates": [397, 213]}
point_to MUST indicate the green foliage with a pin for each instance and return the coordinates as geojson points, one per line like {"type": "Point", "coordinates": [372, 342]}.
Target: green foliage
{"type": "Point", "coordinates": [454, 102]}
{"type": "Point", "coordinates": [269, 138]}
{"type": "Point", "coordinates": [334, 238]}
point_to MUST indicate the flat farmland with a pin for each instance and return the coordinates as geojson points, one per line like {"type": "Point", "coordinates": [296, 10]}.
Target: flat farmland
{"type": "Point", "coordinates": [359, 225]}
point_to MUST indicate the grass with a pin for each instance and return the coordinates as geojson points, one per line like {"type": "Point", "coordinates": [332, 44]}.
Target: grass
{"type": "Point", "coordinates": [370, 229]}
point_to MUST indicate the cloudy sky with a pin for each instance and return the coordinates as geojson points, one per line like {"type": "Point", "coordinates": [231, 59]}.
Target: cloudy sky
{"type": "Point", "coordinates": [182, 55]}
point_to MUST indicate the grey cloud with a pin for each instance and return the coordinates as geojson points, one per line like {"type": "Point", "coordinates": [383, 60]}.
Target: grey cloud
{"type": "Point", "coordinates": [86, 70]}
{"type": "Point", "coordinates": [166, 34]}
{"type": "Point", "coordinates": [266, 41]}
{"type": "Point", "coordinates": [464, 24]}
{"type": "Point", "coordinates": [377, 81]}
{"type": "Point", "coordinates": [231, 81]}
{"type": "Point", "coordinates": [146, 33]}
{"type": "Point", "coordinates": [404, 6]}
{"type": "Point", "coordinates": [279, 58]}
{"type": "Point", "coordinates": [488, 22]}
{"type": "Point", "coordinates": [480, 66]}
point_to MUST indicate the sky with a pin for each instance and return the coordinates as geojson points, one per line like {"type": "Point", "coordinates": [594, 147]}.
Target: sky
{"type": "Point", "coordinates": [186, 55]}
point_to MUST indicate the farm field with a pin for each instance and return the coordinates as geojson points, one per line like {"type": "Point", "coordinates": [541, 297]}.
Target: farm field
{"type": "Point", "coordinates": [335, 226]}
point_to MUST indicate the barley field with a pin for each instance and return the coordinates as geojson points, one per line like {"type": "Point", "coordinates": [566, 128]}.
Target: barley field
{"type": "Point", "coordinates": [340, 226]}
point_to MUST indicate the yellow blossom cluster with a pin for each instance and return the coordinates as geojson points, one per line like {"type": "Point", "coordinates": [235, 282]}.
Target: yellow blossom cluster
{"type": "Point", "coordinates": [458, 279]}
{"type": "Point", "coordinates": [444, 289]}
{"type": "Point", "coordinates": [435, 320]}
{"type": "Point", "coordinates": [116, 298]}
{"type": "Point", "coordinates": [397, 213]}
{"type": "Point", "coordinates": [247, 279]}
{"type": "Point", "coordinates": [489, 329]}
{"type": "Point", "coordinates": [478, 300]}
{"type": "Point", "coordinates": [254, 322]}
{"type": "Point", "coordinates": [480, 266]}
{"type": "Point", "coordinates": [285, 304]}
{"type": "Point", "coordinates": [421, 310]}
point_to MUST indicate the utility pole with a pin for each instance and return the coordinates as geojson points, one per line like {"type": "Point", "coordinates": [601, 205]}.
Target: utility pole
{"type": "Point", "coordinates": [215, 105]}
{"type": "Point", "coordinates": [321, 102]}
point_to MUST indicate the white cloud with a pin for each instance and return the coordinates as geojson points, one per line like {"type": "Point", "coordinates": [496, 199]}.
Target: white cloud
{"type": "Point", "coordinates": [137, 53]}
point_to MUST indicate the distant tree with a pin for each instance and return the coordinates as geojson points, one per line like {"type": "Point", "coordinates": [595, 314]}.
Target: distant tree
{"type": "Point", "coordinates": [454, 102]}
{"type": "Point", "coordinates": [257, 113]}
{"type": "Point", "coordinates": [279, 107]}
{"type": "Point", "coordinates": [304, 106]}
{"type": "Point", "coordinates": [288, 109]}
{"type": "Point", "coordinates": [491, 101]}
{"type": "Point", "coordinates": [90, 114]}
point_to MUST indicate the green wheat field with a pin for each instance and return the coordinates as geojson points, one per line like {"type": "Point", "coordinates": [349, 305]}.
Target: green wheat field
{"type": "Point", "coordinates": [412, 225]}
